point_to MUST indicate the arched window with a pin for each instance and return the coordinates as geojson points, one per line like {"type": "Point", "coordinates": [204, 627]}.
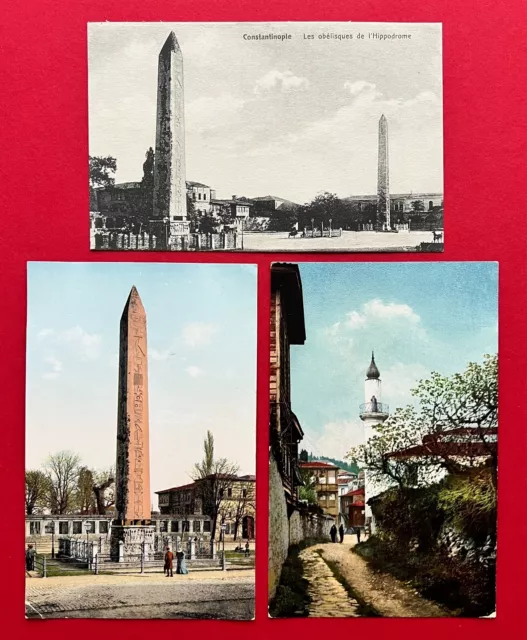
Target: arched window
{"type": "Point", "coordinates": [430, 205]}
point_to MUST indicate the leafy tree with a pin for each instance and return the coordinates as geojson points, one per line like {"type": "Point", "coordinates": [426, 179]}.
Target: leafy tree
{"type": "Point", "coordinates": [245, 504]}
{"type": "Point", "coordinates": [62, 471]}
{"type": "Point", "coordinates": [418, 206]}
{"type": "Point", "coordinates": [303, 456]}
{"type": "Point", "coordinates": [207, 223]}
{"type": "Point", "coordinates": [148, 170]}
{"type": "Point", "coordinates": [214, 477]}
{"type": "Point", "coordinates": [307, 490]}
{"type": "Point", "coordinates": [37, 491]}
{"type": "Point", "coordinates": [465, 402]}
{"type": "Point", "coordinates": [102, 170]}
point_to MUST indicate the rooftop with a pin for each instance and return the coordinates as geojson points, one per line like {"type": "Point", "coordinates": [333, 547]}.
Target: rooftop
{"type": "Point", "coordinates": [315, 464]}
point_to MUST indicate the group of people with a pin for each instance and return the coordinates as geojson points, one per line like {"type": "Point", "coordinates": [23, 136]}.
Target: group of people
{"type": "Point", "coordinates": [181, 565]}
{"type": "Point", "coordinates": [246, 552]}
{"type": "Point", "coordinates": [340, 531]}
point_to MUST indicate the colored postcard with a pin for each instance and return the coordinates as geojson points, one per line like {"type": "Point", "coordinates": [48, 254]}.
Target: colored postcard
{"type": "Point", "coordinates": [140, 441]}
{"type": "Point", "coordinates": [304, 136]}
{"type": "Point", "coordinates": [383, 460]}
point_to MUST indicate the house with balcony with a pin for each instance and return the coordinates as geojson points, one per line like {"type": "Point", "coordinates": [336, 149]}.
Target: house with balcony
{"type": "Point", "coordinates": [324, 477]}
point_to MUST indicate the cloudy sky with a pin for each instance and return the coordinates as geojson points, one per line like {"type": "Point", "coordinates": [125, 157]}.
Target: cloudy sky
{"type": "Point", "coordinates": [290, 118]}
{"type": "Point", "coordinates": [199, 377]}
{"type": "Point", "coordinates": [418, 318]}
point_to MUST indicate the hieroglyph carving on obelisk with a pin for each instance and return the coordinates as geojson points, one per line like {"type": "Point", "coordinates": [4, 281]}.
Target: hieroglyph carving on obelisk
{"type": "Point", "coordinates": [383, 174]}
{"type": "Point", "coordinates": [170, 190]}
{"type": "Point", "coordinates": [133, 461]}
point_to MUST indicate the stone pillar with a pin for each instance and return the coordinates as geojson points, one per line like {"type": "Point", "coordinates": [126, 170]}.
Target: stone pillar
{"type": "Point", "coordinates": [170, 191]}
{"type": "Point", "coordinates": [383, 174]}
{"type": "Point", "coordinates": [70, 527]}
{"type": "Point", "coordinates": [96, 527]}
{"type": "Point", "coordinates": [157, 525]}
{"type": "Point", "coordinates": [193, 548]}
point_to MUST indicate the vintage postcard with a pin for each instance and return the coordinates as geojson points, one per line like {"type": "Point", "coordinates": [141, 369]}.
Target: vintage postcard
{"type": "Point", "coordinates": [383, 467]}
{"type": "Point", "coordinates": [305, 136]}
{"type": "Point", "coordinates": [140, 441]}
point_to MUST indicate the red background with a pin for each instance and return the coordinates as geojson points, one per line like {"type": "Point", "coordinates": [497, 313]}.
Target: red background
{"type": "Point", "coordinates": [44, 216]}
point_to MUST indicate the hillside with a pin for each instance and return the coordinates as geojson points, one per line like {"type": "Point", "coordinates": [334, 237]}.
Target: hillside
{"type": "Point", "coordinates": [345, 466]}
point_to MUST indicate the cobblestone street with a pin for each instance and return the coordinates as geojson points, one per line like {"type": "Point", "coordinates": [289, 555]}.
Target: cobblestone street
{"type": "Point", "coordinates": [214, 595]}
{"type": "Point", "coordinates": [329, 599]}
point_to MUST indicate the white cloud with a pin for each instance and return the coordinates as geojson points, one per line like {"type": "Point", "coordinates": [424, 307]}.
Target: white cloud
{"type": "Point", "coordinates": [156, 354]}
{"type": "Point", "coordinates": [361, 85]}
{"type": "Point", "coordinates": [193, 371]}
{"type": "Point", "coordinates": [284, 81]}
{"type": "Point", "coordinates": [378, 309]}
{"type": "Point", "coordinates": [337, 438]}
{"type": "Point", "coordinates": [398, 380]}
{"type": "Point", "coordinates": [198, 334]}
{"type": "Point", "coordinates": [84, 344]}
{"type": "Point", "coordinates": [55, 368]}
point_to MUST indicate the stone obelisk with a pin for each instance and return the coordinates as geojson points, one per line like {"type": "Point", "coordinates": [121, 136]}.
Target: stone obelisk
{"type": "Point", "coordinates": [132, 533]}
{"type": "Point", "coordinates": [170, 189]}
{"type": "Point", "coordinates": [383, 175]}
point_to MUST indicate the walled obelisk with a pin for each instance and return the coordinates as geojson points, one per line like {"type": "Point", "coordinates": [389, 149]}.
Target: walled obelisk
{"type": "Point", "coordinates": [170, 189]}
{"type": "Point", "coordinates": [383, 175]}
{"type": "Point", "coordinates": [131, 530]}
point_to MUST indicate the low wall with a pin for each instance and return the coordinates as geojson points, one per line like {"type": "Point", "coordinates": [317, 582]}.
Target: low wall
{"type": "Point", "coordinates": [285, 530]}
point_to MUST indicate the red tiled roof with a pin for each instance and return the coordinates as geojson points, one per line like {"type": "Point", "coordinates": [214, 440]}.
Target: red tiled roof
{"type": "Point", "coordinates": [358, 503]}
{"type": "Point", "coordinates": [355, 492]}
{"type": "Point", "coordinates": [317, 465]}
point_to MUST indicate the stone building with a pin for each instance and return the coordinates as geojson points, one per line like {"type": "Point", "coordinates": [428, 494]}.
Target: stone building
{"type": "Point", "coordinates": [289, 521]}
{"type": "Point", "coordinates": [201, 196]}
{"type": "Point", "coordinates": [238, 504]}
{"type": "Point", "coordinates": [324, 475]}
{"type": "Point", "coordinates": [238, 208]}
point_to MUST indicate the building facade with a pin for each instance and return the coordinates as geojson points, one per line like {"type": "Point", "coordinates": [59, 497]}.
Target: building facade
{"type": "Point", "coordinates": [324, 477]}
{"type": "Point", "coordinates": [286, 328]}
{"type": "Point", "coordinates": [237, 508]}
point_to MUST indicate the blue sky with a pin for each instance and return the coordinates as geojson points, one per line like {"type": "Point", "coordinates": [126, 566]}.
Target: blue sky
{"type": "Point", "coordinates": [418, 317]}
{"type": "Point", "coordinates": [283, 118]}
{"type": "Point", "coordinates": [201, 322]}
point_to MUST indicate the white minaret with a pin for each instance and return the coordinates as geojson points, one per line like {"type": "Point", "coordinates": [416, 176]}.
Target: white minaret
{"type": "Point", "coordinates": [372, 413]}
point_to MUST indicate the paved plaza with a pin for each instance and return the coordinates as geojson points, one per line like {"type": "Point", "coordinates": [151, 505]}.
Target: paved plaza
{"type": "Point", "coordinates": [348, 241]}
{"type": "Point", "coordinates": [206, 595]}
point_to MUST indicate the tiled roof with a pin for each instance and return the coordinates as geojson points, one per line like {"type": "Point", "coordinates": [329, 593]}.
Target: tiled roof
{"type": "Point", "coordinates": [355, 492]}
{"type": "Point", "coordinates": [317, 465]}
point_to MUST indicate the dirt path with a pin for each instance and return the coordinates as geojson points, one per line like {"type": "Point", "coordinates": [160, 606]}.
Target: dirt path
{"type": "Point", "coordinates": [390, 597]}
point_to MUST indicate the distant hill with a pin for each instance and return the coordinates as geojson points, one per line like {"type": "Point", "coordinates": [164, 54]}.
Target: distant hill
{"type": "Point", "coordinates": [345, 466]}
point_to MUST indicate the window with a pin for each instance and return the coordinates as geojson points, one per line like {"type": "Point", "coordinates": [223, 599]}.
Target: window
{"type": "Point", "coordinates": [229, 492]}
{"type": "Point", "coordinates": [77, 527]}
{"type": "Point", "coordinates": [331, 478]}
{"type": "Point", "coordinates": [322, 479]}
{"type": "Point", "coordinates": [34, 528]}
{"type": "Point", "coordinates": [430, 205]}
{"type": "Point", "coordinates": [199, 196]}
{"type": "Point", "coordinates": [221, 493]}
{"type": "Point", "coordinates": [163, 526]}
{"type": "Point", "coordinates": [244, 493]}
{"type": "Point", "coordinates": [195, 526]}
{"type": "Point", "coordinates": [63, 528]}
{"type": "Point", "coordinates": [204, 196]}
{"type": "Point", "coordinates": [103, 526]}
{"type": "Point", "coordinates": [175, 526]}
{"type": "Point", "coordinates": [332, 497]}
{"type": "Point", "coordinates": [49, 527]}
{"type": "Point", "coordinates": [206, 526]}
{"type": "Point", "coordinates": [186, 526]}
{"type": "Point", "coordinates": [228, 528]}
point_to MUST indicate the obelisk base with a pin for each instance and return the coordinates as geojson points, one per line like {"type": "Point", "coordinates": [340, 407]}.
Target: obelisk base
{"type": "Point", "coordinates": [128, 543]}
{"type": "Point", "coordinates": [173, 235]}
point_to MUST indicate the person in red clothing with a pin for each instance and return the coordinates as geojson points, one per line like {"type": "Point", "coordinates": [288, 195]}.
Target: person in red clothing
{"type": "Point", "coordinates": [169, 563]}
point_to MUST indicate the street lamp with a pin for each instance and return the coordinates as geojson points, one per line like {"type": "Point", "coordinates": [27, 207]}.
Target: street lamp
{"type": "Point", "coordinates": [330, 221]}
{"type": "Point", "coordinates": [312, 227]}
{"type": "Point", "coordinates": [53, 541]}
{"type": "Point", "coordinates": [223, 526]}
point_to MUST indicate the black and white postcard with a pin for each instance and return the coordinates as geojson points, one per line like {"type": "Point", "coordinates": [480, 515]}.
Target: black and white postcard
{"type": "Point", "coordinates": [302, 136]}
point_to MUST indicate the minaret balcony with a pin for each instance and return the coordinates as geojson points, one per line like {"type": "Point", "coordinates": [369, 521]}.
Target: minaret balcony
{"type": "Point", "coordinates": [374, 410]}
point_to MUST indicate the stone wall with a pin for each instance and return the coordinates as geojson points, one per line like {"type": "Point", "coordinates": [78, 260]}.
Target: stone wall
{"type": "Point", "coordinates": [285, 531]}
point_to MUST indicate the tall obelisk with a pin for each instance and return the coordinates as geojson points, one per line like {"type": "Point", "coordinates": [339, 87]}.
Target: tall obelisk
{"type": "Point", "coordinates": [131, 531]}
{"type": "Point", "coordinates": [383, 175]}
{"type": "Point", "coordinates": [170, 190]}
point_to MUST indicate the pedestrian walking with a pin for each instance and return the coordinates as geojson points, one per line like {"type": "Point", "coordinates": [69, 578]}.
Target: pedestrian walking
{"type": "Point", "coordinates": [247, 549]}
{"type": "Point", "coordinates": [30, 558]}
{"type": "Point", "coordinates": [333, 533]}
{"type": "Point", "coordinates": [169, 563]}
{"type": "Point", "coordinates": [357, 531]}
{"type": "Point", "coordinates": [341, 533]}
{"type": "Point", "coordinates": [181, 566]}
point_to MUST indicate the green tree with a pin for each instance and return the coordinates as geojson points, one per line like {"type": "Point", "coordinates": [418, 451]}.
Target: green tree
{"type": "Point", "coordinates": [303, 457]}
{"type": "Point", "coordinates": [307, 490]}
{"type": "Point", "coordinates": [467, 401]}
{"type": "Point", "coordinates": [148, 170]}
{"type": "Point", "coordinates": [102, 170]}
{"type": "Point", "coordinates": [103, 487]}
